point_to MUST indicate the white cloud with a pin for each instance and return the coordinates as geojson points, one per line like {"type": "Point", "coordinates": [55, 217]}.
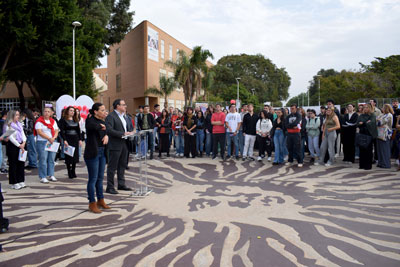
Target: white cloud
{"type": "Point", "coordinates": [302, 36]}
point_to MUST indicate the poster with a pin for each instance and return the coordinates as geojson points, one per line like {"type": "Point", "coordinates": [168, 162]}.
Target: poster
{"type": "Point", "coordinates": [203, 106]}
{"type": "Point", "coordinates": [83, 103]}
{"type": "Point", "coordinates": [152, 44]}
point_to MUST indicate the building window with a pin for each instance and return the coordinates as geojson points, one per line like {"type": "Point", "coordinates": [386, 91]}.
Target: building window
{"type": "Point", "coordinates": [162, 49]}
{"type": "Point", "coordinates": [170, 52]}
{"type": "Point", "coordinates": [118, 56]}
{"type": "Point", "coordinates": [163, 73]}
{"type": "Point", "coordinates": [118, 81]}
{"type": "Point", "coordinates": [177, 54]}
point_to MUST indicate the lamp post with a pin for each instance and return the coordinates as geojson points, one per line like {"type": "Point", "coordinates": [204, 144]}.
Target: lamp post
{"type": "Point", "coordinates": [252, 90]}
{"type": "Point", "coordinates": [238, 99]}
{"type": "Point", "coordinates": [319, 90]}
{"type": "Point", "coordinates": [75, 24]}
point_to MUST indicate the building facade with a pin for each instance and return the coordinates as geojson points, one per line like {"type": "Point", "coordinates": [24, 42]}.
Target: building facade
{"type": "Point", "coordinates": [137, 63]}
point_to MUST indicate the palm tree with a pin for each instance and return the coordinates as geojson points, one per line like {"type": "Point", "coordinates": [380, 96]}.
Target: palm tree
{"type": "Point", "coordinates": [190, 70]}
{"type": "Point", "coordinates": [167, 86]}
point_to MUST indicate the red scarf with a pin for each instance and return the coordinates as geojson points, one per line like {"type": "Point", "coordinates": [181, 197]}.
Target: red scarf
{"type": "Point", "coordinates": [50, 126]}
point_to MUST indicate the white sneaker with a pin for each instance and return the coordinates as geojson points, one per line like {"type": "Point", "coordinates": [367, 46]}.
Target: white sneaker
{"type": "Point", "coordinates": [16, 186]}
{"type": "Point", "coordinates": [55, 163]}
{"type": "Point", "coordinates": [300, 165]}
{"type": "Point", "coordinates": [316, 164]}
{"type": "Point", "coordinates": [22, 185]}
{"type": "Point", "coordinates": [44, 180]}
{"type": "Point", "coordinates": [357, 157]}
{"type": "Point", "coordinates": [328, 164]}
{"type": "Point", "coordinates": [52, 178]}
{"type": "Point", "coordinates": [286, 158]}
{"type": "Point", "coordinates": [181, 155]}
{"type": "Point", "coordinates": [288, 163]}
{"type": "Point", "coordinates": [269, 159]}
{"type": "Point", "coordinates": [176, 155]}
{"type": "Point", "coordinates": [259, 158]}
{"type": "Point", "coordinates": [397, 162]}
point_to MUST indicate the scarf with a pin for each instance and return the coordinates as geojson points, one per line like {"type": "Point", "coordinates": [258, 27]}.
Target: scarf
{"type": "Point", "coordinates": [18, 130]}
{"type": "Point", "coordinates": [50, 125]}
{"type": "Point", "coordinates": [189, 121]}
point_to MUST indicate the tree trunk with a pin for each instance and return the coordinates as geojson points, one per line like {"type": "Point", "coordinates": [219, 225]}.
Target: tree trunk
{"type": "Point", "coordinates": [35, 93]}
{"type": "Point", "coordinates": [166, 102]}
{"type": "Point", "coordinates": [3, 67]}
{"type": "Point", "coordinates": [20, 87]}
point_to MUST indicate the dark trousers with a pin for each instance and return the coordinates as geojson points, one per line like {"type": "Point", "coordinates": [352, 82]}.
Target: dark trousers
{"type": "Point", "coordinates": [366, 156]}
{"type": "Point", "coordinates": [264, 145]}
{"type": "Point", "coordinates": [16, 172]}
{"type": "Point", "coordinates": [375, 149]}
{"type": "Point", "coordinates": [348, 139]}
{"type": "Point", "coordinates": [219, 138]}
{"type": "Point", "coordinates": [96, 168]}
{"type": "Point", "coordinates": [293, 142]}
{"type": "Point", "coordinates": [117, 162]}
{"type": "Point", "coordinates": [190, 145]}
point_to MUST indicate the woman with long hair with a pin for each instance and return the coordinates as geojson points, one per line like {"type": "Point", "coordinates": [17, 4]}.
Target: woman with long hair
{"type": "Point", "coordinates": [278, 134]}
{"type": "Point", "coordinates": [200, 133]}
{"type": "Point", "coordinates": [71, 134]}
{"type": "Point", "coordinates": [164, 129]}
{"type": "Point", "coordinates": [46, 131]}
{"type": "Point", "coordinates": [178, 133]}
{"type": "Point", "coordinates": [28, 122]}
{"type": "Point", "coordinates": [15, 146]}
{"type": "Point", "coordinates": [208, 129]}
{"type": "Point", "coordinates": [329, 128]}
{"type": "Point", "coordinates": [189, 127]}
{"type": "Point", "coordinates": [312, 128]}
{"type": "Point", "coordinates": [384, 123]}
{"type": "Point", "coordinates": [366, 125]}
{"type": "Point", "coordinates": [94, 156]}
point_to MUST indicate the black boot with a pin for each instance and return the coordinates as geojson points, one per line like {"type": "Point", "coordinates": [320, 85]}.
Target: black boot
{"type": "Point", "coordinates": [73, 170]}
{"type": "Point", "coordinates": [69, 171]}
{"type": "Point", "coordinates": [151, 155]}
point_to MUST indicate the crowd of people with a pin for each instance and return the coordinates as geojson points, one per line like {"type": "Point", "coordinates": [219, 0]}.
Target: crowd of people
{"type": "Point", "coordinates": [281, 136]}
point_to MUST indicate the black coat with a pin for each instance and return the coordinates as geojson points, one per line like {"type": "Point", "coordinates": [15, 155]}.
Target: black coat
{"type": "Point", "coordinates": [115, 131]}
{"type": "Point", "coordinates": [194, 122]}
{"type": "Point", "coordinates": [94, 138]}
{"type": "Point", "coordinates": [250, 124]}
{"type": "Point", "coordinates": [167, 124]}
{"type": "Point", "coordinates": [150, 120]}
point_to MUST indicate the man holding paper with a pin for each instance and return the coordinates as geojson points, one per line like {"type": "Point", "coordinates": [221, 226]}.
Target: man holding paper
{"type": "Point", "coordinates": [16, 151]}
{"type": "Point", "coordinates": [116, 129]}
{"type": "Point", "coordinates": [46, 130]}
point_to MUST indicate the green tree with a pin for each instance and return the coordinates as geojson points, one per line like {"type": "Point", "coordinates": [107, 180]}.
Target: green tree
{"type": "Point", "coordinates": [37, 46]}
{"type": "Point", "coordinates": [245, 96]}
{"type": "Point", "coordinates": [166, 88]}
{"type": "Point", "coordinates": [270, 82]}
{"type": "Point", "coordinates": [190, 70]}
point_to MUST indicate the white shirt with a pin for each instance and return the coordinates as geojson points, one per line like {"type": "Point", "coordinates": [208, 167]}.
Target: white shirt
{"type": "Point", "coordinates": [263, 126]}
{"type": "Point", "coordinates": [233, 119]}
{"type": "Point", "coordinates": [13, 137]}
{"type": "Point", "coordinates": [45, 130]}
{"type": "Point", "coordinates": [122, 118]}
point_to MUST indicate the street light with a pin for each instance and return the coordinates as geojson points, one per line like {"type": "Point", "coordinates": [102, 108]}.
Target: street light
{"type": "Point", "coordinates": [75, 24]}
{"type": "Point", "coordinates": [319, 90]}
{"type": "Point", "coordinates": [252, 90]}
{"type": "Point", "coordinates": [237, 100]}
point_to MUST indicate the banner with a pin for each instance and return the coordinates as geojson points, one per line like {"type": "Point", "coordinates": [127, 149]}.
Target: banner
{"type": "Point", "coordinates": [83, 103]}
{"type": "Point", "coordinates": [152, 44]}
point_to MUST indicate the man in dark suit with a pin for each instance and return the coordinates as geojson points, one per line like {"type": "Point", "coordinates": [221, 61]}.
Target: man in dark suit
{"type": "Point", "coordinates": [117, 128]}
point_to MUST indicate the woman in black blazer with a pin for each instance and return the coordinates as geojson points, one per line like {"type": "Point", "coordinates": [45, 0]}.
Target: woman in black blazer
{"type": "Point", "coordinates": [164, 129]}
{"type": "Point", "coordinates": [94, 156]}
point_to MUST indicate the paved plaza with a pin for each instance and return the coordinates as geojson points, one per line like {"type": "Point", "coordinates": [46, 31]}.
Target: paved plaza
{"type": "Point", "coordinates": [207, 212]}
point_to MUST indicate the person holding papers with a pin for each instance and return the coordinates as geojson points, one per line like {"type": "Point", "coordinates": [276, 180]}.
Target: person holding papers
{"type": "Point", "coordinates": [71, 134]}
{"type": "Point", "coordinates": [15, 150]}
{"type": "Point", "coordinates": [46, 130]}
{"type": "Point", "coordinates": [117, 148]}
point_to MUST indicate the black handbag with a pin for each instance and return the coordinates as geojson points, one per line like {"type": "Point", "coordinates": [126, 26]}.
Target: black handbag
{"type": "Point", "coordinates": [363, 140]}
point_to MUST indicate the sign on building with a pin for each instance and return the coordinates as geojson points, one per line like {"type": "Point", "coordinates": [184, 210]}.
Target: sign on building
{"type": "Point", "coordinates": [152, 44]}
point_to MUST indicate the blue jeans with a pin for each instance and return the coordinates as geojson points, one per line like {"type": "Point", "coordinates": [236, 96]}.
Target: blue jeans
{"type": "Point", "coordinates": [31, 147]}
{"type": "Point", "coordinates": [200, 140]}
{"type": "Point", "coordinates": [154, 137]}
{"type": "Point", "coordinates": [279, 142]}
{"type": "Point", "coordinates": [46, 160]}
{"type": "Point", "coordinates": [62, 155]}
{"type": "Point", "coordinates": [209, 143]}
{"type": "Point", "coordinates": [241, 141]}
{"type": "Point", "coordinates": [96, 168]}
{"type": "Point", "coordinates": [229, 137]}
{"type": "Point", "coordinates": [285, 150]}
{"type": "Point", "coordinates": [179, 143]}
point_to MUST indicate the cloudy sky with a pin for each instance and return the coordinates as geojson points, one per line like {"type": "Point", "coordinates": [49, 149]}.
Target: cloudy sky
{"type": "Point", "coordinates": [301, 35]}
